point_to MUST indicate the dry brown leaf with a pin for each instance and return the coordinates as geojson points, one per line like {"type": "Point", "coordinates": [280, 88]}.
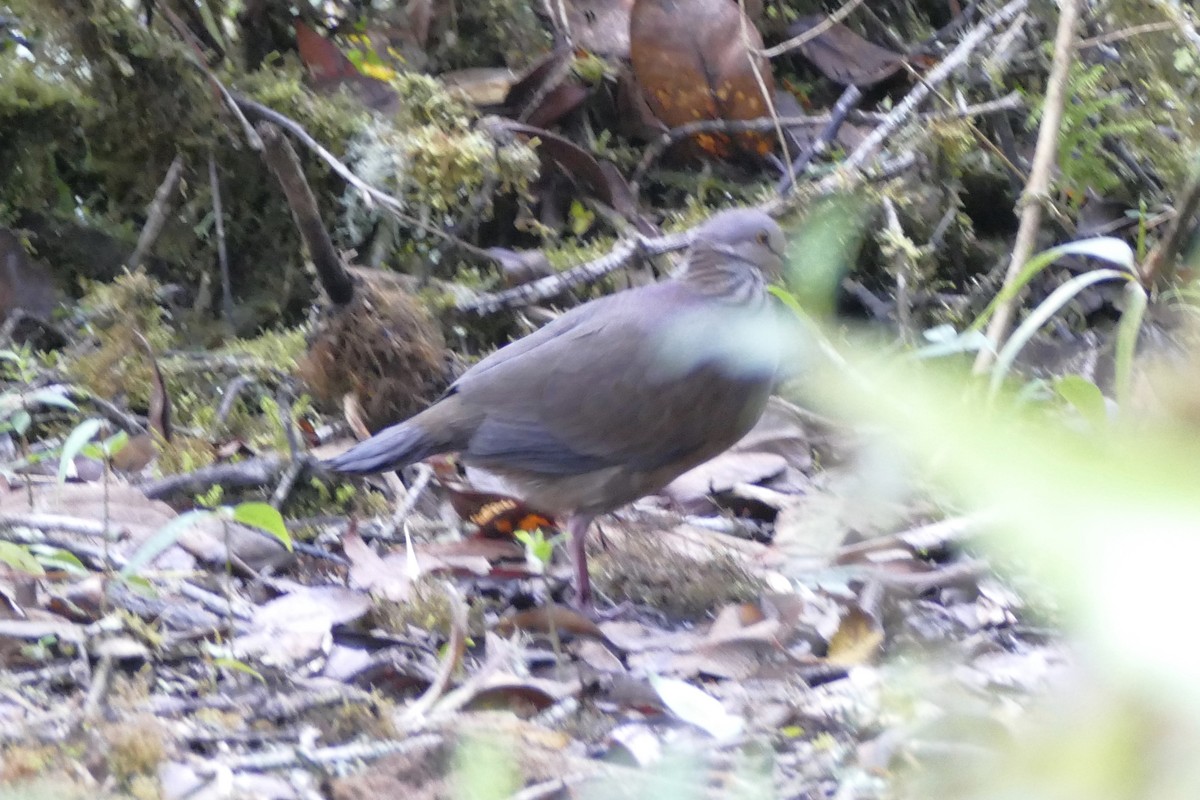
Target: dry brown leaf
{"type": "Point", "coordinates": [694, 61]}
{"type": "Point", "coordinates": [843, 56]}
{"type": "Point", "coordinates": [545, 619]}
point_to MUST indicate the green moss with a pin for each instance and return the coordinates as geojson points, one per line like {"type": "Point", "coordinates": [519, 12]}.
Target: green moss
{"type": "Point", "coordinates": [40, 116]}
{"type": "Point", "coordinates": [490, 32]}
{"type": "Point", "coordinates": [276, 349]}
{"type": "Point", "coordinates": [115, 362]}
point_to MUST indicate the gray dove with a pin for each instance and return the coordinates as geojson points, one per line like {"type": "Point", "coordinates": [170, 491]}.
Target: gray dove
{"type": "Point", "coordinates": [619, 396]}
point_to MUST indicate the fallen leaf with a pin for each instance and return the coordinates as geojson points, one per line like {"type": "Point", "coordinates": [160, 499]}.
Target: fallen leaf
{"type": "Point", "coordinates": [843, 56]}
{"type": "Point", "coordinates": [857, 640]}
{"type": "Point", "coordinates": [694, 61]}
{"type": "Point", "coordinates": [546, 619]}
{"type": "Point", "coordinates": [697, 707]}
{"type": "Point", "coordinates": [547, 91]}
{"type": "Point", "coordinates": [386, 578]}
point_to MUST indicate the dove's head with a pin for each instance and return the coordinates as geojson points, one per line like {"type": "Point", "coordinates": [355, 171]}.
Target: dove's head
{"type": "Point", "coordinates": [734, 250]}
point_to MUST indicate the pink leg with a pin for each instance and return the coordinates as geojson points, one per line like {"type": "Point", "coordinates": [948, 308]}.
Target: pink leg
{"type": "Point", "coordinates": [577, 528]}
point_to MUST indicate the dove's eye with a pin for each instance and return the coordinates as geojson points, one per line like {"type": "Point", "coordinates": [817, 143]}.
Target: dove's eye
{"type": "Point", "coordinates": [763, 238]}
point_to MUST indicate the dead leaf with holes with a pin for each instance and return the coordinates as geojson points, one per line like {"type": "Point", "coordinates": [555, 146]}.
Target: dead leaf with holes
{"type": "Point", "coordinates": [843, 56]}
{"type": "Point", "coordinates": [694, 60]}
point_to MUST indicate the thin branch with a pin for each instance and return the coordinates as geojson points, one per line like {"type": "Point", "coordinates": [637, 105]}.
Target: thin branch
{"type": "Point", "coordinates": [285, 164]}
{"type": "Point", "coordinates": [157, 216]}
{"type": "Point", "coordinates": [1038, 187]}
{"type": "Point", "coordinates": [813, 32]}
{"type": "Point", "coordinates": [902, 113]}
{"type": "Point", "coordinates": [1160, 264]}
{"type": "Point", "coordinates": [369, 192]}
{"type": "Point", "coordinates": [214, 184]}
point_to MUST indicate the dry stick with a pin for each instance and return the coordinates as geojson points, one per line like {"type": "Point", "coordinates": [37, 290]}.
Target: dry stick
{"type": "Point", "coordinates": [214, 184]}
{"type": "Point", "coordinates": [1038, 187]}
{"type": "Point", "coordinates": [903, 111]}
{"type": "Point", "coordinates": [1160, 264]}
{"type": "Point", "coordinates": [1182, 18]}
{"type": "Point", "coordinates": [278, 153]}
{"type": "Point", "coordinates": [456, 648]}
{"type": "Point", "coordinates": [157, 216]}
{"type": "Point", "coordinates": [841, 109]}
{"type": "Point", "coordinates": [904, 268]}
{"type": "Point", "coordinates": [621, 254]}
{"type": "Point", "coordinates": [847, 173]}
{"type": "Point", "coordinates": [369, 192]}
{"type": "Point", "coordinates": [1125, 33]}
{"type": "Point", "coordinates": [752, 57]}
{"type": "Point", "coordinates": [1010, 102]}
{"type": "Point", "coordinates": [813, 32]}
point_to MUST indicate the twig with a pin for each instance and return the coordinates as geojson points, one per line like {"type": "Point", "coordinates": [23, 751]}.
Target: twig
{"type": "Point", "coordinates": [1160, 264]}
{"type": "Point", "coordinates": [622, 253]}
{"type": "Point", "coordinates": [867, 150]}
{"type": "Point", "coordinates": [1126, 33]}
{"type": "Point", "coordinates": [456, 647]}
{"type": "Point", "coordinates": [903, 267]}
{"type": "Point", "coordinates": [252, 473]}
{"type": "Point", "coordinates": [1182, 17]}
{"type": "Point", "coordinates": [278, 152]}
{"type": "Point", "coordinates": [231, 394]}
{"type": "Point", "coordinates": [1038, 186]}
{"type": "Point", "coordinates": [157, 215]}
{"type": "Point", "coordinates": [222, 256]}
{"type": "Point", "coordinates": [98, 688]}
{"type": "Point", "coordinates": [365, 751]}
{"type": "Point", "coordinates": [841, 109]}
{"type": "Point", "coordinates": [752, 57]}
{"type": "Point", "coordinates": [369, 192]}
{"type": "Point", "coordinates": [813, 32]}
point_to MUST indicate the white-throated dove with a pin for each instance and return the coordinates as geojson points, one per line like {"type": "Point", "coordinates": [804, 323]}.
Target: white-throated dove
{"type": "Point", "coordinates": [614, 399]}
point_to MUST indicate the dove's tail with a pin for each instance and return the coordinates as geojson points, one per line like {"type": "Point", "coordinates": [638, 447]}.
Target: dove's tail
{"type": "Point", "coordinates": [438, 429]}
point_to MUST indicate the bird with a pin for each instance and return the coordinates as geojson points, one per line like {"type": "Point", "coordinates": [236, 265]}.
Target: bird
{"type": "Point", "coordinates": [617, 397]}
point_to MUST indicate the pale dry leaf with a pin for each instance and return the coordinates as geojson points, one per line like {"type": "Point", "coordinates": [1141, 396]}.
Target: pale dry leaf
{"type": "Point", "coordinates": [292, 629]}
{"type": "Point", "coordinates": [384, 577]}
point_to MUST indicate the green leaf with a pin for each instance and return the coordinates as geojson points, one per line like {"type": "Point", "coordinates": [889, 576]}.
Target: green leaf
{"type": "Point", "coordinates": [116, 443]}
{"type": "Point", "coordinates": [1127, 335]}
{"type": "Point", "coordinates": [1105, 248]}
{"type": "Point", "coordinates": [1042, 314]}
{"type": "Point", "coordinates": [1085, 397]}
{"type": "Point", "coordinates": [57, 558]}
{"type": "Point", "coordinates": [238, 666]}
{"type": "Point", "coordinates": [51, 397]}
{"type": "Point", "coordinates": [166, 536]}
{"type": "Point", "coordinates": [537, 545]}
{"type": "Point", "coordinates": [19, 558]}
{"type": "Point", "coordinates": [79, 437]}
{"type": "Point", "coordinates": [265, 517]}
{"type": "Point", "coordinates": [20, 422]}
